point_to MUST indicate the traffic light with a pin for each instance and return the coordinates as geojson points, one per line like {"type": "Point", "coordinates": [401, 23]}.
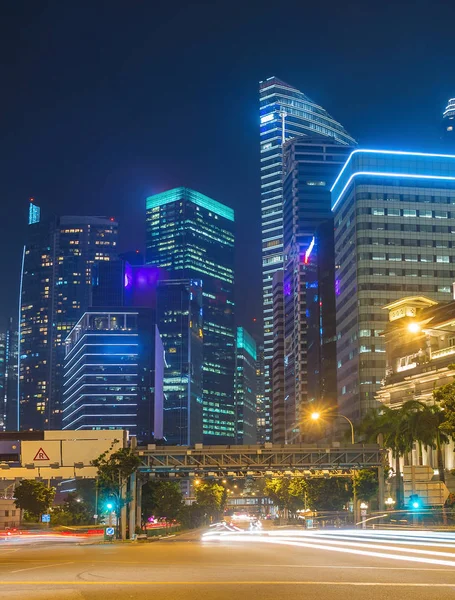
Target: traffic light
{"type": "Point", "coordinates": [109, 506]}
{"type": "Point", "coordinates": [415, 501]}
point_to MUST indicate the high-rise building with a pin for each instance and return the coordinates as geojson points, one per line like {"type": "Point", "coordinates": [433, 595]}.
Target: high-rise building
{"type": "Point", "coordinates": [56, 284]}
{"type": "Point", "coordinates": [180, 325]}
{"type": "Point", "coordinates": [285, 113]}
{"type": "Point", "coordinates": [448, 119]}
{"type": "Point", "coordinates": [8, 378]}
{"type": "Point", "coordinates": [263, 420]}
{"type": "Point", "coordinates": [114, 368]}
{"type": "Point", "coordinates": [394, 235]}
{"type": "Point", "coordinates": [245, 388]}
{"type": "Point", "coordinates": [191, 236]}
{"type": "Point", "coordinates": [179, 318]}
{"type": "Point", "coordinates": [280, 404]}
{"type": "Point", "coordinates": [304, 304]}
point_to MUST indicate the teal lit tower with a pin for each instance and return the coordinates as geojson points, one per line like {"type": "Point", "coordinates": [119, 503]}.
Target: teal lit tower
{"type": "Point", "coordinates": [191, 236]}
{"type": "Point", "coordinates": [245, 388]}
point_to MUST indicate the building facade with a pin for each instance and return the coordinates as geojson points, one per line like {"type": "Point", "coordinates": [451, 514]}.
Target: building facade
{"type": "Point", "coordinates": [263, 418]}
{"type": "Point", "coordinates": [280, 402]}
{"type": "Point", "coordinates": [180, 325]}
{"type": "Point", "coordinates": [420, 349]}
{"type": "Point", "coordinates": [8, 378]}
{"type": "Point", "coordinates": [56, 284]}
{"type": "Point", "coordinates": [191, 236]}
{"type": "Point", "coordinates": [245, 388]}
{"type": "Point", "coordinates": [114, 367]}
{"type": "Point", "coordinates": [394, 218]}
{"type": "Point", "coordinates": [310, 166]}
{"type": "Point", "coordinates": [285, 113]}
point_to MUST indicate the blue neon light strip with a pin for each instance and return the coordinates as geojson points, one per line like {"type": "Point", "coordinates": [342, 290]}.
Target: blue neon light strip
{"type": "Point", "coordinates": [389, 152]}
{"type": "Point", "coordinates": [395, 175]}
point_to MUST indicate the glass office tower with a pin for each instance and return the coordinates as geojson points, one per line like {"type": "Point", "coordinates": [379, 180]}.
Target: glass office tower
{"type": "Point", "coordinates": [285, 113]}
{"type": "Point", "coordinates": [394, 218]}
{"type": "Point", "coordinates": [8, 378]}
{"type": "Point", "coordinates": [310, 165]}
{"type": "Point", "coordinates": [114, 372]}
{"type": "Point", "coordinates": [191, 236]}
{"type": "Point", "coordinates": [180, 324]}
{"type": "Point", "coordinates": [245, 388]}
{"type": "Point", "coordinates": [56, 284]}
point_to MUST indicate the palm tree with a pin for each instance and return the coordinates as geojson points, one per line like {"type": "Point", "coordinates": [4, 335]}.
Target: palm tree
{"type": "Point", "coordinates": [431, 434]}
{"type": "Point", "coordinates": [398, 428]}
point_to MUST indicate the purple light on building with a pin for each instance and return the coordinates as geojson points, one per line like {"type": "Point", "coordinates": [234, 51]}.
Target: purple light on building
{"type": "Point", "coordinates": [337, 287]}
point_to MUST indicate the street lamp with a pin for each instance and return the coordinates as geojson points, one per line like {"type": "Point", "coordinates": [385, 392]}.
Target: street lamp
{"type": "Point", "coordinates": [414, 328]}
{"type": "Point", "coordinates": [390, 502]}
{"type": "Point", "coordinates": [316, 415]}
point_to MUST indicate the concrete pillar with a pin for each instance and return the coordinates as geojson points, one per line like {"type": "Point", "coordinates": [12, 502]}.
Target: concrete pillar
{"type": "Point", "coordinates": [123, 511]}
{"type": "Point", "coordinates": [139, 484]}
{"type": "Point", "coordinates": [381, 491]}
{"type": "Point", "coordinates": [132, 506]}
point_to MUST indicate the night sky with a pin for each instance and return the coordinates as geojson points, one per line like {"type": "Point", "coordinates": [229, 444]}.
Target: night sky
{"type": "Point", "coordinates": [104, 103]}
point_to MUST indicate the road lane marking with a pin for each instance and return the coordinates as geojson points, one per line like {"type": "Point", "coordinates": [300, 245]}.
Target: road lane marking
{"type": "Point", "coordinates": [179, 583]}
{"type": "Point", "coordinates": [43, 567]}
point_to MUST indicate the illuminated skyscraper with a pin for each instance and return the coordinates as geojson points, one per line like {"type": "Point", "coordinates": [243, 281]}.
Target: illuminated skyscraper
{"type": "Point", "coordinates": [394, 218]}
{"type": "Point", "coordinates": [114, 372]}
{"type": "Point", "coordinates": [245, 388]}
{"type": "Point", "coordinates": [448, 119]}
{"type": "Point", "coordinates": [191, 236]}
{"type": "Point", "coordinates": [8, 378]}
{"type": "Point", "coordinates": [179, 321]}
{"type": "Point", "coordinates": [307, 320]}
{"type": "Point", "coordinates": [285, 113]}
{"type": "Point", "coordinates": [56, 286]}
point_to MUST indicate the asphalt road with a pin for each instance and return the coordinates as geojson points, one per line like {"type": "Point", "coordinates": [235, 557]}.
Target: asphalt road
{"type": "Point", "coordinates": [270, 565]}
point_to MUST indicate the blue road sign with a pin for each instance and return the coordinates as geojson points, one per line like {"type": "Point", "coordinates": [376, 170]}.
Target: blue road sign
{"type": "Point", "coordinates": [110, 531]}
{"type": "Point", "coordinates": [45, 518]}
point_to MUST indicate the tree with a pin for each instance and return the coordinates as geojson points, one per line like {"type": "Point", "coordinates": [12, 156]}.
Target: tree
{"type": "Point", "coordinates": [398, 428]}
{"type": "Point", "coordinates": [366, 484]}
{"type": "Point", "coordinates": [192, 516]}
{"type": "Point", "coordinates": [114, 470]}
{"type": "Point", "coordinates": [328, 494]}
{"type": "Point", "coordinates": [287, 493]}
{"type": "Point", "coordinates": [212, 497]}
{"type": "Point", "coordinates": [73, 511]}
{"type": "Point", "coordinates": [33, 497]}
{"type": "Point", "coordinates": [161, 498]}
{"type": "Point", "coordinates": [431, 430]}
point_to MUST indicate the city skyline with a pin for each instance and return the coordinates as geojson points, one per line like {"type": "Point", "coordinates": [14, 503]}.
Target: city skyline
{"type": "Point", "coordinates": [85, 162]}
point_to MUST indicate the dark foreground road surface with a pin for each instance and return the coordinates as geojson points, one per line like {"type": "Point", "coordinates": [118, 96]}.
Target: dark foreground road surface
{"type": "Point", "coordinates": [273, 565]}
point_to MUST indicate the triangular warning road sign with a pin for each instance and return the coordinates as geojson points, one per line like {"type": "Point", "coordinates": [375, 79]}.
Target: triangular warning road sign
{"type": "Point", "coordinates": [41, 455]}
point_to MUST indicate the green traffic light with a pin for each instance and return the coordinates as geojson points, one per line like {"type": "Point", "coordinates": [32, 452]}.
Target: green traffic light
{"type": "Point", "coordinates": [109, 506]}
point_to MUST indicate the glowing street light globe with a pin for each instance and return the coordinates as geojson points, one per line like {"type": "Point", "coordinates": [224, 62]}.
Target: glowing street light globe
{"type": "Point", "coordinates": [414, 328]}
{"type": "Point", "coordinates": [315, 416]}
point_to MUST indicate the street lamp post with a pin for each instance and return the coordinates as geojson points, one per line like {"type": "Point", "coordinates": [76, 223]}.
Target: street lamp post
{"type": "Point", "coordinates": [316, 416]}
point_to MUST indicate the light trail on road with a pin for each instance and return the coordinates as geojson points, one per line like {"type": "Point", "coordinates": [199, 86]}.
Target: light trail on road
{"type": "Point", "coordinates": [357, 543]}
